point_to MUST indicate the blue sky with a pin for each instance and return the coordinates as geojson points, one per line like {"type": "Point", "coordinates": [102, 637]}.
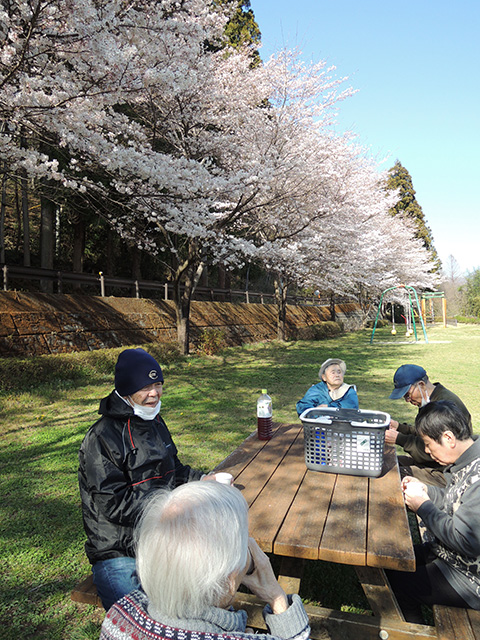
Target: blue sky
{"type": "Point", "coordinates": [416, 65]}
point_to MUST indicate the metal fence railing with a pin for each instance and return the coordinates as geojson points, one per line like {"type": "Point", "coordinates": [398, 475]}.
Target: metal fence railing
{"type": "Point", "coordinates": [52, 280]}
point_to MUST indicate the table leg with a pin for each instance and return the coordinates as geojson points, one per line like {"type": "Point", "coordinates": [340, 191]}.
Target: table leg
{"type": "Point", "coordinates": [379, 593]}
{"type": "Point", "coordinates": [290, 574]}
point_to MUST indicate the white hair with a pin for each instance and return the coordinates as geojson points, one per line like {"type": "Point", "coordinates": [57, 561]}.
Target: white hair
{"type": "Point", "coordinates": [188, 543]}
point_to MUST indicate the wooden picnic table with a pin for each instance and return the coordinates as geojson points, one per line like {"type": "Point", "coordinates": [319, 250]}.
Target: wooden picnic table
{"type": "Point", "coordinates": [301, 514]}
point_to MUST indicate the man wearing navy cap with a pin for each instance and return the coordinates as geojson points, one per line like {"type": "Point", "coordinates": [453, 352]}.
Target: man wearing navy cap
{"type": "Point", "coordinates": [124, 456]}
{"type": "Point", "coordinates": [411, 383]}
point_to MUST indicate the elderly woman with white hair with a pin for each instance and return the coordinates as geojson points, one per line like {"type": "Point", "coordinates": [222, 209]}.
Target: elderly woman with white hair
{"type": "Point", "coordinates": [331, 391]}
{"type": "Point", "coordinates": [193, 552]}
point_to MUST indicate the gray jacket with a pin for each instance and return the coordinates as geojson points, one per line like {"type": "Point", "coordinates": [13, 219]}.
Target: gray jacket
{"type": "Point", "coordinates": [452, 517]}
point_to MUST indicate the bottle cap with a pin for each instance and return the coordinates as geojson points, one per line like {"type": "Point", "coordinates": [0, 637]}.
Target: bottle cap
{"type": "Point", "coordinates": [264, 391]}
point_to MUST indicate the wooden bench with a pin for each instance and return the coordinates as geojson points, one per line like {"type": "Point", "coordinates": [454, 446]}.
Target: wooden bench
{"type": "Point", "coordinates": [86, 592]}
{"type": "Point", "coordinates": [453, 623]}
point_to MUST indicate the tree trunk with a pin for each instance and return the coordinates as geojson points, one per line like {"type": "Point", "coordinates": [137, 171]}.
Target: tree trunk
{"type": "Point", "coordinates": [47, 240]}
{"type": "Point", "coordinates": [136, 268]}
{"type": "Point", "coordinates": [18, 216]}
{"type": "Point", "coordinates": [189, 273]}
{"type": "Point", "coordinates": [182, 314]}
{"type": "Point", "coordinates": [222, 277]}
{"type": "Point", "coordinates": [136, 263]}
{"type": "Point", "coordinates": [247, 277]}
{"type": "Point", "coordinates": [3, 208]}
{"type": "Point", "coordinates": [332, 308]}
{"type": "Point", "coordinates": [78, 246]}
{"type": "Point", "coordinates": [25, 211]}
{"type": "Point", "coordinates": [281, 289]}
{"type": "Point", "coordinates": [110, 253]}
{"type": "Point", "coordinates": [26, 220]}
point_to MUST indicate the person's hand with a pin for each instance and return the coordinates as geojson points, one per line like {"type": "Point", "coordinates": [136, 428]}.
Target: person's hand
{"type": "Point", "coordinates": [415, 493]}
{"type": "Point", "coordinates": [408, 479]}
{"type": "Point", "coordinates": [391, 436]}
{"type": "Point", "coordinates": [394, 424]}
{"type": "Point", "coordinates": [208, 476]}
{"type": "Point", "coordinates": [262, 581]}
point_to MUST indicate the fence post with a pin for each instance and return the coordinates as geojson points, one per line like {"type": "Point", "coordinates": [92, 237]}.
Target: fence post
{"type": "Point", "coordinates": [247, 297]}
{"type": "Point", "coordinates": [137, 289]}
{"type": "Point", "coordinates": [102, 284]}
{"type": "Point", "coordinates": [261, 298]}
{"type": "Point", "coordinates": [165, 294]}
{"type": "Point", "coordinates": [59, 282]}
{"type": "Point", "coordinates": [5, 277]}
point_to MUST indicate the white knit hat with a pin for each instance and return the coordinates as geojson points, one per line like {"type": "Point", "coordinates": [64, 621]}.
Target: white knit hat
{"type": "Point", "coordinates": [329, 362]}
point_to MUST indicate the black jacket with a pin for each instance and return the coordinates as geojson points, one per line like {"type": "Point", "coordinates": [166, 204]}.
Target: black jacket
{"type": "Point", "coordinates": [122, 459]}
{"type": "Point", "coordinates": [413, 444]}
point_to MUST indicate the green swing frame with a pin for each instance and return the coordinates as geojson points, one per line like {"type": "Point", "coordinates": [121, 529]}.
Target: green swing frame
{"type": "Point", "coordinates": [410, 291]}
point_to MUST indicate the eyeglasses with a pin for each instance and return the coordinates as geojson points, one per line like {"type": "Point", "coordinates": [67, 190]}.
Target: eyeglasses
{"type": "Point", "coordinates": [409, 393]}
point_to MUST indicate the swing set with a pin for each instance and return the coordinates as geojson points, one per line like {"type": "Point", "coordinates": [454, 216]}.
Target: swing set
{"type": "Point", "coordinates": [430, 296]}
{"type": "Point", "coordinates": [410, 295]}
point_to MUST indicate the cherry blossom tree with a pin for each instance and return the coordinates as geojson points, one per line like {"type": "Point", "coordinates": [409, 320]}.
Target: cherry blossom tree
{"type": "Point", "coordinates": [138, 110]}
{"type": "Point", "coordinates": [182, 147]}
{"type": "Point", "coordinates": [300, 160]}
{"type": "Point", "coordinates": [357, 249]}
{"type": "Point", "coordinates": [125, 104]}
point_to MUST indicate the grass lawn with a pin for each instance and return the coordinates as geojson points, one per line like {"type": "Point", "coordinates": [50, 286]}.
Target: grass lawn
{"type": "Point", "coordinates": [47, 404]}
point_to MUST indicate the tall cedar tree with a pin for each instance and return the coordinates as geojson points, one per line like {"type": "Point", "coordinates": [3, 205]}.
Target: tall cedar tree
{"type": "Point", "coordinates": [399, 178]}
{"type": "Point", "coordinates": [242, 28]}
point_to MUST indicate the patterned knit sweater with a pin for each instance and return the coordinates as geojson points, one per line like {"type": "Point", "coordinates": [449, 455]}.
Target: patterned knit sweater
{"type": "Point", "coordinates": [452, 517]}
{"type": "Point", "coordinates": [129, 619]}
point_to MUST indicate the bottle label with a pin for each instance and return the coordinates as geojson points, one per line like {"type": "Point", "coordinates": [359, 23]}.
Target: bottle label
{"type": "Point", "coordinates": [264, 409]}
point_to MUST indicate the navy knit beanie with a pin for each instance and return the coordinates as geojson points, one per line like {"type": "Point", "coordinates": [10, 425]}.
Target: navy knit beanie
{"type": "Point", "coordinates": [134, 370]}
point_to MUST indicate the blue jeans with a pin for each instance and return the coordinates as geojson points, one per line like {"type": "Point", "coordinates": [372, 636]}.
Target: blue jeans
{"type": "Point", "coordinates": [114, 578]}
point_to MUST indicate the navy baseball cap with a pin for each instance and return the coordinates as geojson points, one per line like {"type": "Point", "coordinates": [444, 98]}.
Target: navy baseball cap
{"type": "Point", "coordinates": [404, 377]}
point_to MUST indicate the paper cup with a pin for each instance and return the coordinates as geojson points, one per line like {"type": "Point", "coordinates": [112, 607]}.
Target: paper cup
{"type": "Point", "coordinates": [224, 478]}
{"type": "Point", "coordinates": [414, 489]}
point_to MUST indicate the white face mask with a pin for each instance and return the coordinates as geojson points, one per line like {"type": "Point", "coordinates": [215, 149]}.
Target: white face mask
{"type": "Point", "coordinates": [425, 398]}
{"type": "Point", "coordinates": [145, 413]}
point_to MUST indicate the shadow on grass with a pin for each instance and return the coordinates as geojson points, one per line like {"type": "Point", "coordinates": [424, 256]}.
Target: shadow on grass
{"type": "Point", "coordinates": [209, 406]}
{"type": "Point", "coordinates": [41, 530]}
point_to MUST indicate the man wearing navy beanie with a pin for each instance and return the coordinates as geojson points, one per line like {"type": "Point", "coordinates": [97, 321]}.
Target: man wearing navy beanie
{"type": "Point", "coordinates": [124, 456]}
{"type": "Point", "coordinates": [134, 370]}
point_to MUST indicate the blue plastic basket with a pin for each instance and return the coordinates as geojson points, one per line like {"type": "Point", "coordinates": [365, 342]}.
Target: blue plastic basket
{"type": "Point", "coordinates": [348, 441]}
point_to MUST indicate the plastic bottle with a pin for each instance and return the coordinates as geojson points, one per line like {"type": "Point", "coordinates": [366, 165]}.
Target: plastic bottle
{"type": "Point", "coordinates": [264, 416]}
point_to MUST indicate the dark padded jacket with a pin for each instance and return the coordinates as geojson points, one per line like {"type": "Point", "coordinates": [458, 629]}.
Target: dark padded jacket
{"type": "Point", "coordinates": [413, 444]}
{"type": "Point", "coordinates": [122, 459]}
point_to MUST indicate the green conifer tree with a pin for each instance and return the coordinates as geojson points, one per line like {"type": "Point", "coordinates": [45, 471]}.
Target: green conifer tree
{"type": "Point", "coordinates": [242, 28]}
{"type": "Point", "coordinates": [399, 178]}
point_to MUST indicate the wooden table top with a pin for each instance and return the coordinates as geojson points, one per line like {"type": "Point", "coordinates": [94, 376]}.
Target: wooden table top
{"type": "Point", "coordinates": [300, 513]}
